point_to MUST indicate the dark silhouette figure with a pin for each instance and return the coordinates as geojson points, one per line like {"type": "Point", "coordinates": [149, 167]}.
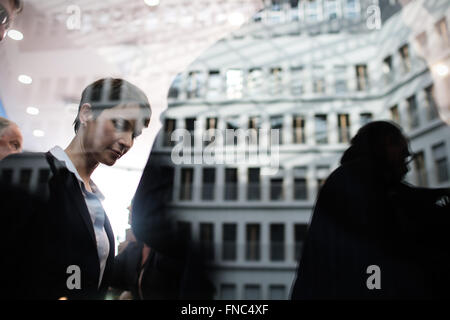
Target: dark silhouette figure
{"type": "Point", "coordinates": [175, 252]}
{"type": "Point", "coordinates": [146, 273]}
{"type": "Point", "coordinates": [366, 216]}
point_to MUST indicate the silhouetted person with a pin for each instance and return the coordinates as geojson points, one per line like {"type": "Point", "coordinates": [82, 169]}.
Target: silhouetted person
{"type": "Point", "coordinates": [146, 273]}
{"type": "Point", "coordinates": [153, 225]}
{"type": "Point", "coordinates": [366, 216]}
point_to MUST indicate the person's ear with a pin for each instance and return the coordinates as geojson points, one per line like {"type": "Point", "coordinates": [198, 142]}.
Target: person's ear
{"type": "Point", "coordinates": [85, 114]}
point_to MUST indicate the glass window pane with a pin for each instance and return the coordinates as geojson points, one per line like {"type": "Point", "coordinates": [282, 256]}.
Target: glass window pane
{"type": "Point", "coordinates": [255, 81]}
{"type": "Point", "coordinates": [321, 129]}
{"type": "Point", "coordinates": [296, 80]}
{"type": "Point", "coordinates": [186, 183]}
{"type": "Point", "coordinates": [214, 84]}
{"type": "Point", "coordinates": [228, 292]}
{"type": "Point", "coordinates": [254, 184]}
{"type": "Point", "coordinates": [235, 83]}
{"type": "Point", "coordinates": [252, 251]}
{"type": "Point", "coordinates": [299, 129]}
{"type": "Point", "coordinates": [229, 235]}
{"type": "Point", "coordinates": [277, 292]}
{"type": "Point", "coordinates": [412, 112]}
{"type": "Point", "coordinates": [276, 189]}
{"type": "Point", "coordinates": [231, 184]}
{"type": "Point", "coordinates": [208, 183]}
{"type": "Point", "coordinates": [277, 242]}
{"type": "Point", "coordinates": [344, 128]}
{"type": "Point", "coordinates": [252, 292]}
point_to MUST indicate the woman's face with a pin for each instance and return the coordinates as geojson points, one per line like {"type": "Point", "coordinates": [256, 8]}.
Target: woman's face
{"type": "Point", "coordinates": [108, 137]}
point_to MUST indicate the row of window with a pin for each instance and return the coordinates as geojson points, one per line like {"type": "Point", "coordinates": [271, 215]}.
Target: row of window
{"type": "Point", "coordinates": [309, 11]}
{"type": "Point", "coordinates": [298, 125]}
{"type": "Point", "coordinates": [277, 189]}
{"type": "Point", "coordinates": [236, 83]}
{"type": "Point", "coordinates": [299, 134]}
{"type": "Point", "coordinates": [277, 242]}
{"type": "Point", "coordinates": [228, 291]}
{"type": "Point", "coordinates": [276, 184]}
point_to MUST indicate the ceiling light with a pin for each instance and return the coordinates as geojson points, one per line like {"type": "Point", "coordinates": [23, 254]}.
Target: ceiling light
{"type": "Point", "coordinates": [25, 79]}
{"type": "Point", "coordinates": [33, 111]}
{"type": "Point", "coordinates": [38, 133]}
{"type": "Point", "coordinates": [15, 34]}
{"type": "Point", "coordinates": [152, 3]}
{"type": "Point", "coordinates": [441, 69]}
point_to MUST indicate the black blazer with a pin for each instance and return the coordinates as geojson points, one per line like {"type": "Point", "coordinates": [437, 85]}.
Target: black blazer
{"type": "Point", "coordinates": [48, 228]}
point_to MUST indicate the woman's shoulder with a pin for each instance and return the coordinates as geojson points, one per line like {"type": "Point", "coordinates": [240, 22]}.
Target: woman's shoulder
{"type": "Point", "coordinates": [27, 171]}
{"type": "Point", "coordinates": [23, 160]}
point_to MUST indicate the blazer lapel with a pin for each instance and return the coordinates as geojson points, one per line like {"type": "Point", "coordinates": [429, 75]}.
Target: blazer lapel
{"type": "Point", "coordinates": [72, 191]}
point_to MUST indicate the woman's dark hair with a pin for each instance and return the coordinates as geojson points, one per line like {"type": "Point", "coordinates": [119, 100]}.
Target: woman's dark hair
{"type": "Point", "coordinates": [109, 92]}
{"type": "Point", "coordinates": [371, 140]}
{"type": "Point", "coordinates": [17, 5]}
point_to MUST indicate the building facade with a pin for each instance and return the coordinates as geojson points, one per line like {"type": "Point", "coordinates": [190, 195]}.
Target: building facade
{"type": "Point", "coordinates": [315, 71]}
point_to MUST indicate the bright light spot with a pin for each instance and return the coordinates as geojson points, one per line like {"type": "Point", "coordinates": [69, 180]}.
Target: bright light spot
{"type": "Point", "coordinates": [152, 3]}
{"type": "Point", "coordinates": [38, 133]}
{"type": "Point", "coordinates": [33, 111]}
{"type": "Point", "coordinates": [441, 69]}
{"type": "Point", "coordinates": [118, 196]}
{"type": "Point", "coordinates": [236, 19]}
{"type": "Point", "coordinates": [15, 34]}
{"type": "Point", "coordinates": [25, 79]}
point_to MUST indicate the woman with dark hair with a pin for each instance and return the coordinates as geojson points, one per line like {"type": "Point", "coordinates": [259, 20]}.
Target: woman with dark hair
{"type": "Point", "coordinates": [64, 244]}
{"type": "Point", "coordinates": [367, 220]}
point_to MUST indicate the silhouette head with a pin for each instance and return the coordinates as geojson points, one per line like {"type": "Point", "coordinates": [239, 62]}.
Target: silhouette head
{"type": "Point", "coordinates": [383, 144]}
